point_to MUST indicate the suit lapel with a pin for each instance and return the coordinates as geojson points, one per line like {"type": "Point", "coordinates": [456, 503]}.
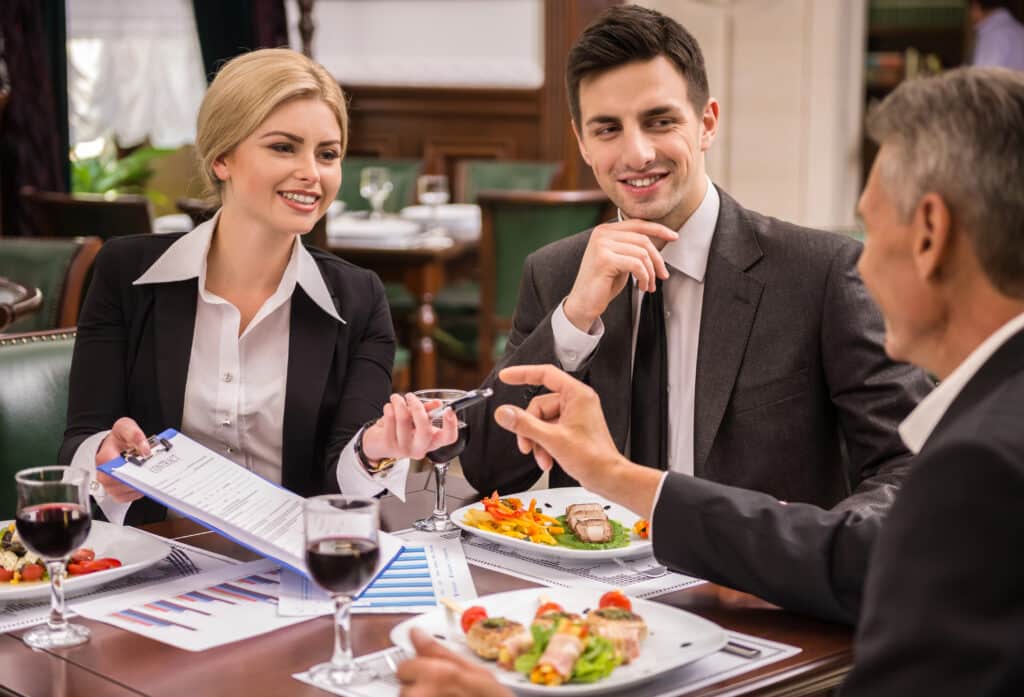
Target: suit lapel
{"type": "Point", "coordinates": [175, 308]}
{"type": "Point", "coordinates": [610, 373]}
{"type": "Point", "coordinates": [731, 297]}
{"type": "Point", "coordinates": [312, 339]}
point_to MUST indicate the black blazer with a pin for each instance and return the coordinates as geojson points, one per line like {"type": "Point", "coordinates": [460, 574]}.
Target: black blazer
{"type": "Point", "coordinates": [134, 342]}
{"type": "Point", "coordinates": [944, 604]}
{"type": "Point", "coordinates": [794, 397]}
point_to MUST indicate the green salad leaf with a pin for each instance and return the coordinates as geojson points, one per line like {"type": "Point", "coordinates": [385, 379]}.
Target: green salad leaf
{"type": "Point", "coordinates": [597, 661]}
{"type": "Point", "coordinates": [541, 636]}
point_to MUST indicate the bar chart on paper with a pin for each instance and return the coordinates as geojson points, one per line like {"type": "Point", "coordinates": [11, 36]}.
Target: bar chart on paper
{"type": "Point", "coordinates": [240, 604]}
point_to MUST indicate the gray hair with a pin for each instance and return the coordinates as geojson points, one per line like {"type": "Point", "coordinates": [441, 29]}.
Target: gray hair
{"type": "Point", "coordinates": [961, 135]}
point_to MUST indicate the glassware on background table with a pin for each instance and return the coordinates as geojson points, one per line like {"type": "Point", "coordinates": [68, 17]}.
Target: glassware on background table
{"type": "Point", "coordinates": [375, 186]}
{"type": "Point", "coordinates": [341, 555]}
{"type": "Point", "coordinates": [53, 520]}
{"type": "Point", "coordinates": [442, 457]}
{"type": "Point", "coordinates": [432, 190]}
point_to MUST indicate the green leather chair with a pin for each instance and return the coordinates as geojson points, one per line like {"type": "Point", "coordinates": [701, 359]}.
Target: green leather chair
{"type": "Point", "coordinates": [60, 268]}
{"type": "Point", "coordinates": [474, 176]}
{"type": "Point", "coordinates": [403, 178]}
{"type": "Point", "coordinates": [17, 301]}
{"type": "Point", "coordinates": [34, 371]}
{"type": "Point", "coordinates": [515, 223]}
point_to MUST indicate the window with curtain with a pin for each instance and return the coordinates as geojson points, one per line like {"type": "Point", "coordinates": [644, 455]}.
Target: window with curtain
{"type": "Point", "coordinates": [135, 71]}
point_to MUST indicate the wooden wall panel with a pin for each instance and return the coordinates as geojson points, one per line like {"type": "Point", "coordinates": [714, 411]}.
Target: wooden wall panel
{"type": "Point", "coordinates": [443, 125]}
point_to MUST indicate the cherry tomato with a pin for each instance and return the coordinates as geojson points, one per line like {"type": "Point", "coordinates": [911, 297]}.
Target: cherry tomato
{"type": "Point", "coordinates": [5, 575]}
{"type": "Point", "coordinates": [32, 572]}
{"type": "Point", "coordinates": [548, 608]}
{"type": "Point", "coordinates": [83, 554]}
{"type": "Point", "coordinates": [471, 616]}
{"type": "Point", "coordinates": [615, 599]}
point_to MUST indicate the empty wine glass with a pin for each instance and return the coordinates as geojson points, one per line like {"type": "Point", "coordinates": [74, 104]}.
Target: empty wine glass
{"type": "Point", "coordinates": [53, 520]}
{"type": "Point", "coordinates": [375, 186]}
{"type": "Point", "coordinates": [432, 190]}
{"type": "Point", "coordinates": [439, 521]}
{"type": "Point", "coordinates": [341, 556]}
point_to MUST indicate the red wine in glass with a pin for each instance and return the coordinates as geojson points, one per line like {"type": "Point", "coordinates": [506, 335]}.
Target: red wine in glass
{"type": "Point", "coordinates": [342, 564]}
{"type": "Point", "coordinates": [53, 530]}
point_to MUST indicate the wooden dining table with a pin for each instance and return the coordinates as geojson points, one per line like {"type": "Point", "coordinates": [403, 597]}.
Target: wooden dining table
{"type": "Point", "coordinates": [424, 269]}
{"type": "Point", "coordinates": [120, 663]}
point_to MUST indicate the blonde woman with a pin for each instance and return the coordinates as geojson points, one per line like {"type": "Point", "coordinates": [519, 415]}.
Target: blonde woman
{"type": "Point", "coordinates": [272, 354]}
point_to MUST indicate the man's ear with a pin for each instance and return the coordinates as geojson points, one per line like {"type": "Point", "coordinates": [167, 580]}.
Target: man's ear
{"type": "Point", "coordinates": [709, 124]}
{"type": "Point", "coordinates": [933, 236]}
{"type": "Point", "coordinates": [579, 142]}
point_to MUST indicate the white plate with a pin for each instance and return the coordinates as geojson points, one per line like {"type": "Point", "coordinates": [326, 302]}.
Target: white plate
{"type": "Point", "coordinates": [676, 638]}
{"type": "Point", "coordinates": [135, 549]}
{"type": "Point", "coordinates": [553, 502]}
{"type": "Point", "coordinates": [467, 213]}
{"type": "Point", "coordinates": [348, 226]}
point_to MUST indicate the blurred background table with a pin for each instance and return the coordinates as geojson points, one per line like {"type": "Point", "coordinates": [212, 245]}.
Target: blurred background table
{"type": "Point", "coordinates": [118, 663]}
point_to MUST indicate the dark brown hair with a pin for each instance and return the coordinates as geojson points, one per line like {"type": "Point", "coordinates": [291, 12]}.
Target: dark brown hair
{"type": "Point", "coordinates": [627, 33]}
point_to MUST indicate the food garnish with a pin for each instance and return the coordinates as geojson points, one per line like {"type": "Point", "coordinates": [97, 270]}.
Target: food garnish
{"type": "Point", "coordinates": [471, 616]}
{"type": "Point", "coordinates": [615, 598]}
{"type": "Point", "coordinates": [642, 528]}
{"type": "Point", "coordinates": [508, 516]}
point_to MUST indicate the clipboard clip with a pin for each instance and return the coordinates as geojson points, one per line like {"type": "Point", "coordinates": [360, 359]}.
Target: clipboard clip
{"type": "Point", "coordinates": [156, 445]}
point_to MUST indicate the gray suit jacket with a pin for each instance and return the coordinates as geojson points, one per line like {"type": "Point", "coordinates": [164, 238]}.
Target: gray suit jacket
{"type": "Point", "coordinates": [794, 396]}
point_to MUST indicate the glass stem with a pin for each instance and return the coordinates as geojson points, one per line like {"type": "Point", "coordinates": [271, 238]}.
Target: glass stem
{"type": "Point", "coordinates": [56, 571]}
{"type": "Point", "coordinates": [440, 505]}
{"type": "Point", "coordinates": [342, 657]}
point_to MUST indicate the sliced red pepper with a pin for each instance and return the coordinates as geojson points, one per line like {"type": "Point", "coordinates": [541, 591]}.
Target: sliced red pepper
{"type": "Point", "coordinates": [32, 572]}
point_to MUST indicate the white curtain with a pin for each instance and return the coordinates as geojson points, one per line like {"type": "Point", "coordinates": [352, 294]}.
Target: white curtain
{"type": "Point", "coordinates": [135, 71]}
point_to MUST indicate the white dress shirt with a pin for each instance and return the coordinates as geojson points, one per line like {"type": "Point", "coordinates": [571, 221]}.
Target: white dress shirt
{"type": "Point", "coordinates": [687, 262]}
{"type": "Point", "coordinates": [236, 385]}
{"type": "Point", "coordinates": [918, 426]}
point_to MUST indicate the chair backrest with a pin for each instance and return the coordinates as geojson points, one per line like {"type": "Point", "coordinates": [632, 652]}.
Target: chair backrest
{"type": "Point", "coordinates": [60, 268]}
{"type": "Point", "coordinates": [34, 372]}
{"type": "Point", "coordinates": [403, 179]}
{"type": "Point", "coordinates": [72, 215]}
{"type": "Point", "coordinates": [17, 301]}
{"type": "Point", "coordinates": [516, 223]}
{"type": "Point", "coordinates": [474, 176]}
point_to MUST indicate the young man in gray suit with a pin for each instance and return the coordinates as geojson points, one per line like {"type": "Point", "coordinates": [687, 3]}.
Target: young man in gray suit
{"type": "Point", "coordinates": [756, 353]}
{"type": "Point", "coordinates": [944, 258]}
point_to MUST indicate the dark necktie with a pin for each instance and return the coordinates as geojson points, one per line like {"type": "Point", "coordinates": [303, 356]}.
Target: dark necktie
{"type": "Point", "coordinates": [648, 442]}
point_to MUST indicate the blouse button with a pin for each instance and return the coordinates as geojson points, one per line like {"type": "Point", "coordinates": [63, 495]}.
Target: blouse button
{"type": "Point", "coordinates": [228, 377]}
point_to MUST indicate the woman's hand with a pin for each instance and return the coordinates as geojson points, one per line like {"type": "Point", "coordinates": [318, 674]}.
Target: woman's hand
{"type": "Point", "coordinates": [405, 429]}
{"type": "Point", "coordinates": [124, 434]}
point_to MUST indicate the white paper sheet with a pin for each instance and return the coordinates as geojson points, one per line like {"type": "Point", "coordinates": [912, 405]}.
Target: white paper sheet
{"type": "Point", "coordinates": [206, 487]}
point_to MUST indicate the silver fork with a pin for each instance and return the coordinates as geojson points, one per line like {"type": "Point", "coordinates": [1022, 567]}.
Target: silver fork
{"type": "Point", "coordinates": [181, 562]}
{"type": "Point", "coordinates": [656, 571]}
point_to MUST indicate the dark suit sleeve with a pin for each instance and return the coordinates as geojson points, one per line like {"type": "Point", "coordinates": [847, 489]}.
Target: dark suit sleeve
{"type": "Point", "coordinates": [871, 393]}
{"type": "Point", "coordinates": [491, 459]}
{"type": "Point", "coordinates": [98, 392]}
{"type": "Point", "coordinates": [796, 555]}
{"type": "Point", "coordinates": [944, 607]}
{"type": "Point", "coordinates": [367, 384]}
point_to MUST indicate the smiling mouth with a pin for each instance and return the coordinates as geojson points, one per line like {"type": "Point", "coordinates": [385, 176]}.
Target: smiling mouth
{"type": "Point", "coordinates": [643, 182]}
{"type": "Point", "coordinates": [304, 199]}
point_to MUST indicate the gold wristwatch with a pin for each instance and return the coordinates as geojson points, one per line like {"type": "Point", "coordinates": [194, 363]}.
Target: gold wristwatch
{"type": "Point", "coordinates": [372, 467]}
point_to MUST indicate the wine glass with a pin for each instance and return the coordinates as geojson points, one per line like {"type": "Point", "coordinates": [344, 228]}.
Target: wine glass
{"type": "Point", "coordinates": [375, 186]}
{"type": "Point", "coordinates": [341, 555]}
{"type": "Point", "coordinates": [442, 457]}
{"type": "Point", "coordinates": [432, 190]}
{"type": "Point", "coordinates": [53, 520]}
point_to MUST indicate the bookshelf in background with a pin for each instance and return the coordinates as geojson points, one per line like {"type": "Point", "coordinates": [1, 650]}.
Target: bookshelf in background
{"type": "Point", "coordinates": [907, 39]}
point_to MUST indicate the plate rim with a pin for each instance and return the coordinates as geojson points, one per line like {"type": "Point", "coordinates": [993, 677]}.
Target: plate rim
{"type": "Point", "coordinates": [636, 548]}
{"type": "Point", "coordinates": [401, 631]}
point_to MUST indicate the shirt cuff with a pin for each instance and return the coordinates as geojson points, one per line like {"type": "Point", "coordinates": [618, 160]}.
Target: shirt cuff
{"type": "Point", "coordinates": [657, 498]}
{"type": "Point", "coordinates": [353, 479]}
{"type": "Point", "coordinates": [85, 460]}
{"type": "Point", "coordinates": [573, 347]}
